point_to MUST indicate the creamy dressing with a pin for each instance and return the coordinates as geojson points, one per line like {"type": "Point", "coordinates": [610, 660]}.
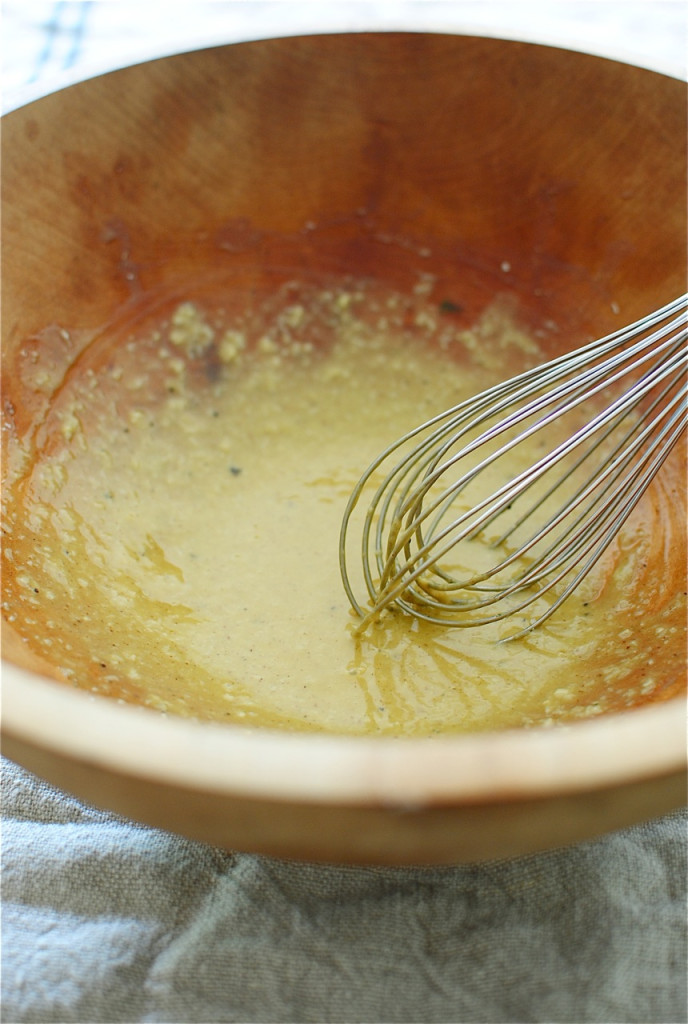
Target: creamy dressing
{"type": "Point", "coordinates": [173, 539]}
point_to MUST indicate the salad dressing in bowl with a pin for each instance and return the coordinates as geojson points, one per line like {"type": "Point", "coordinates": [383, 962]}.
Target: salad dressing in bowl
{"type": "Point", "coordinates": [187, 486]}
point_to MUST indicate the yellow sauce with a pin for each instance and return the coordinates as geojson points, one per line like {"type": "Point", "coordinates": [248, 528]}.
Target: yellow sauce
{"type": "Point", "coordinates": [172, 540]}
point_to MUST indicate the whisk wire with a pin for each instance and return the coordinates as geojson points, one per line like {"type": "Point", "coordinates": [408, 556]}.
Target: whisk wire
{"type": "Point", "coordinates": [613, 466]}
{"type": "Point", "coordinates": [594, 548]}
{"type": "Point", "coordinates": [410, 526]}
{"type": "Point", "coordinates": [411, 511]}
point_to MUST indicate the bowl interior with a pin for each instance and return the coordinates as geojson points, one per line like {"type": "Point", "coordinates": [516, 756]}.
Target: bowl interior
{"type": "Point", "coordinates": [564, 166]}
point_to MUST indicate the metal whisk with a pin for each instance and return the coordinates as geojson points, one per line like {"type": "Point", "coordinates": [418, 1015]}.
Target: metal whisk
{"type": "Point", "coordinates": [619, 406]}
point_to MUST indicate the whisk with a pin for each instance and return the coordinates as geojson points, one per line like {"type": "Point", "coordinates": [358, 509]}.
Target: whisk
{"type": "Point", "coordinates": [542, 528]}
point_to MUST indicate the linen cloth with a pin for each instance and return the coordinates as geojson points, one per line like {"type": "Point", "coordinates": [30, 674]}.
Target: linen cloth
{"type": "Point", "coordinates": [105, 920]}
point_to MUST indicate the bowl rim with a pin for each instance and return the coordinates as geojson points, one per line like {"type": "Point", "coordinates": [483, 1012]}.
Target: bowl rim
{"type": "Point", "coordinates": [32, 92]}
{"type": "Point", "coordinates": [612, 749]}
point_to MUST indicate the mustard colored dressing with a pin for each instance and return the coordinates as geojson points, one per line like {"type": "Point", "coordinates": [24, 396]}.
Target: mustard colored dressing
{"type": "Point", "coordinates": [173, 541]}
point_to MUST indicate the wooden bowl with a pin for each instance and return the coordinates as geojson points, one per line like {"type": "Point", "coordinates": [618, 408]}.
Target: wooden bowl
{"type": "Point", "coordinates": [371, 153]}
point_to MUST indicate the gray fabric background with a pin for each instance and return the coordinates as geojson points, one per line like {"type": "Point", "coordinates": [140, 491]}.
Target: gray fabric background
{"type": "Point", "coordinates": [104, 920]}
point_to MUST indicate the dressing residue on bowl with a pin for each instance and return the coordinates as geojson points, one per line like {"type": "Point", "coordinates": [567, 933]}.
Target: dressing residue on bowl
{"type": "Point", "coordinates": [171, 536]}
